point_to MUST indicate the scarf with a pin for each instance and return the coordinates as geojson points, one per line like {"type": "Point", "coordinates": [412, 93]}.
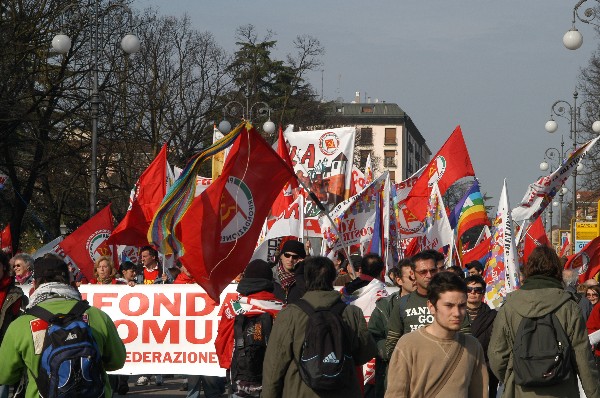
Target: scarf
{"type": "Point", "coordinates": [21, 279]}
{"type": "Point", "coordinates": [257, 303]}
{"type": "Point", "coordinates": [106, 281]}
{"type": "Point", "coordinates": [53, 290]}
{"type": "Point", "coordinates": [286, 278]}
{"type": "Point", "coordinates": [4, 287]}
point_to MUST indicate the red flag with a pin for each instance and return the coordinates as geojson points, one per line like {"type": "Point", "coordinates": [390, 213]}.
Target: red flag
{"type": "Point", "coordinates": [413, 247]}
{"type": "Point", "coordinates": [535, 236]}
{"type": "Point", "coordinates": [565, 247]}
{"type": "Point", "coordinates": [587, 261]}
{"type": "Point", "coordinates": [285, 197]}
{"type": "Point", "coordinates": [479, 252]}
{"type": "Point", "coordinates": [451, 163]}
{"type": "Point", "coordinates": [88, 242]}
{"type": "Point", "coordinates": [148, 193]}
{"type": "Point", "coordinates": [6, 240]}
{"type": "Point", "coordinates": [218, 233]}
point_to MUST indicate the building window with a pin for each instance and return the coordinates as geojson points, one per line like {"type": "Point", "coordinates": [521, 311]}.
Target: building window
{"type": "Point", "coordinates": [410, 146]}
{"type": "Point", "coordinates": [366, 136]}
{"type": "Point", "coordinates": [389, 158]}
{"type": "Point", "coordinates": [364, 154]}
{"type": "Point", "coordinates": [392, 176]}
{"type": "Point", "coordinates": [390, 136]}
{"type": "Point", "coordinates": [367, 109]}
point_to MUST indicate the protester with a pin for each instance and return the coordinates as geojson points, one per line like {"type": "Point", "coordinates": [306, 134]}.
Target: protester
{"type": "Point", "coordinates": [457, 270]}
{"type": "Point", "coordinates": [281, 377]}
{"type": "Point", "coordinates": [378, 323]}
{"type": "Point", "coordinates": [12, 303]}
{"type": "Point", "coordinates": [22, 266]}
{"type": "Point", "coordinates": [104, 272]}
{"type": "Point", "coordinates": [368, 287]}
{"type": "Point", "coordinates": [20, 351]}
{"type": "Point", "coordinates": [482, 319]}
{"type": "Point", "coordinates": [474, 268]}
{"type": "Point", "coordinates": [542, 293]}
{"type": "Point", "coordinates": [570, 278]}
{"type": "Point", "coordinates": [437, 360]}
{"type": "Point", "coordinates": [593, 294]}
{"type": "Point", "coordinates": [439, 259]}
{"type": "Point", "coordinates": [290, 254]}
{"type": "Point", "coordinates": [256, 298]}
{"type": "Point", "coordinates": [393, 275]}
{"type": "Point", "coordinates": [128, 273]}
{"type": "Point", "coordinates": [151, 271]}
{"type": "Point", "coordinates": [341, 265]}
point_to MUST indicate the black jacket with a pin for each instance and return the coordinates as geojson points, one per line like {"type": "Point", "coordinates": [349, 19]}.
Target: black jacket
{"type": "Point", "coordinates": [481, 327]}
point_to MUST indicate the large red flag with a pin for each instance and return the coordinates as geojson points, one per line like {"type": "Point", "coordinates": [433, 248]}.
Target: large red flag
{"type": "Point", "coordinates": [6, 240]}
{"type": "Point", "coordinates": [587, 261]}
{"type": "Point", "coordinates": [88, 242]}
{"type": "Point", "coordinates": [219, 231]}
{"type": "Point", "coordinates": [479, 252]}
{"type": "Point", "coordinates": [451, 163]}
{"type": "Point", "coordinates": [535, 236]}
{"type": "Point", "coordinates": [148, 193]}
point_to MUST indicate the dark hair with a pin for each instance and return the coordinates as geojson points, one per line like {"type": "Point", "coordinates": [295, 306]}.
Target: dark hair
{"type": "Point", "coordinates": [443, 282]}
{"type": "Point", "coordinates": [475, 264]}
{"type": "Point", "coordinates": [319, 273]}
{"type": "Point", "coordinates": [372, 265]}
{"type": "Point", "coordinates": [423, 256]}
{"type": "Point", "coordinates": [595, 288]}
{"type": "Point", "coordinates": [436, 255]}
{"type": "Point", "coordinates": [543, 261]}
{"type": "Point", "coordinates": [4, 261]}
{"type": "Point", "coordinates": [393, 272]}
{"type": "Point", "coordinates": [51, 268]}
{"type": "Point", "coordinates": [405, 262]}
{"type": "Point", "coordinates": [341, 256]}
{"type": "Point", "coordinates": [153, 252]}
{"type": "Point", "coordinates": [475, 279]}
{"type": "Point", "coordinates": [457, 270]}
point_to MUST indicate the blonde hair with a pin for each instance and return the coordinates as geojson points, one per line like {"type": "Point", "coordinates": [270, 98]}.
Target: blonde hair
{"type": "Point", "coordinates": [109, 260]}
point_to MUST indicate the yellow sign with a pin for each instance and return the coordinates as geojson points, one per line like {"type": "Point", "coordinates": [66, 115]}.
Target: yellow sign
{"type": "Point", "coordinates": [586, 230]}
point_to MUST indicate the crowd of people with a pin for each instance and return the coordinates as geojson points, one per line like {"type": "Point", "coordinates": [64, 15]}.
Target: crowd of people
{"type": "Point", "coordinates": [292, 333]}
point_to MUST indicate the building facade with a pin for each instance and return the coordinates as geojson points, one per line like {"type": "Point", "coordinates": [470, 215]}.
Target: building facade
{"type": "Point", "coordinates": [384, 131]}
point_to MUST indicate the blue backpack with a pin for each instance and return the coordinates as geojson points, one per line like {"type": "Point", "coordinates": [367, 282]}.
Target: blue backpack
{"type": "Point", "coordinates": [71, 363]}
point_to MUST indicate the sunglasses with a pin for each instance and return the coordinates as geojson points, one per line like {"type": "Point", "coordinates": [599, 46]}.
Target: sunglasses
{"type": "Point", "coordinates": [478, 290]}
{"type": "Point", "coordinates": [424, 272]}
{"type": "Point", "coordinates": [293, 256]}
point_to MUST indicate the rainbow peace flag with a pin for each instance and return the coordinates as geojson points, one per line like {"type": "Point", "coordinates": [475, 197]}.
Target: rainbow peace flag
{"type": "Point", "coordinates": [469, 212]}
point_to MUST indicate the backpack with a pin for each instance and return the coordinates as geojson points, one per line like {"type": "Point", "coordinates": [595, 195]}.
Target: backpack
{"type": "Point", "coordinates": [542, 352]}
{"type": "Point", "coordinates": [71, 363]}
{"type": "Point", "coordinates": [251, 336]}
{"type": "Point", "coordinates": [326, 360]}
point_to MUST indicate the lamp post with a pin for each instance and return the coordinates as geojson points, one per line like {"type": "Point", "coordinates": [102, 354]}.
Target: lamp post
{"type": "Point", "coordinates": [553, 158]}
{"type": "Point", "coordinates": [230, 109]}
{"type": "Point", "coordinates": [61, 43]}
{"type": "Point", "coordinates": [571, 113]}
{"type": "Point", "coordinates": [573, 39]}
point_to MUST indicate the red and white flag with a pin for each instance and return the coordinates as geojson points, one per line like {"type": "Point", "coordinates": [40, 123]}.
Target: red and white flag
{"type": "Point", "coordinates": [146, 197]}
{"type": "Point", "coordinates": [438, 232]}
{"type": "Point", "coordinates": [6, 240]}
{"type": "Point", "coordinates": [218, 233]}
{"type": "Point", "coordinates": [89, 241]}
{"type": "Point", "coordinates": [587, 261]}
{"type": "Point", "coordinates": [534, 237]}
{"type": "Point", "coordinates": [451, 163]}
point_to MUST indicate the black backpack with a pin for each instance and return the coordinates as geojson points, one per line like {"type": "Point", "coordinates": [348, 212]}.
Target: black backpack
{"type": "Point", "coordinates": [71, 363]}
{"type": "Point", "coordinates": [251, 336]}
{"type": "Point", "coordinates": [542, 352]}
{"type": "Point", "coordinates": [326, 360]}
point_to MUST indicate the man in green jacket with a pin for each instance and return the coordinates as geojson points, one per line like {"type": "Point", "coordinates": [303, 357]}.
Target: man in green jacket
{"type": "Point", "coordinates": [542, 292]}
{"type": "Point", "coordinates": [281, 377]}
{"type": "Point", "coordinates": [22, 344]}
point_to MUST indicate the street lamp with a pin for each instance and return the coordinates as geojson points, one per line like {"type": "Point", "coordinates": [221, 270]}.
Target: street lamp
{"type": "Point", "coordinates": [130, 43]}
{"type": "Point", "coordinates": [572, 113]}
{"type": "Point", "coordinates": [573, 39]}
{"type": "Point", "coordinates": [553, 158]}
{"type": "Point", "coordinates": [231, 109]}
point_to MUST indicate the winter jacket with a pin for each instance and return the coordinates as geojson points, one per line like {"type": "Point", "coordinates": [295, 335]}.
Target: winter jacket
{"type": "Point", "coordinates": [18, 352]}
{"type": "Point", "coordinates": [481, 326]}
{"type": "Point", "coordinates": [11, 308]}
{"type": "Point", "coordinates": [537, 297]}
{"type": "Point", "coordinates": [280, 371]}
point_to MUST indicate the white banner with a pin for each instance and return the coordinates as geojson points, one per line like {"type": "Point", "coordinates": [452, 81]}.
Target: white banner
{"type": "Point", "coordinates": [322, 160]}
{"type": "Point", "coordinates": [408, 225]}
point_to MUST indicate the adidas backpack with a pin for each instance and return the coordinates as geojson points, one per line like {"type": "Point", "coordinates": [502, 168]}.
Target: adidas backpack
{"type": "Point", "coordinates": [71, 363]}
{"type": "Point", "coordinates": [251, 335]}
{"type": "Point", "coordinates": [325, 357]}
{"type": "Point", "coordinates": [542, 352]}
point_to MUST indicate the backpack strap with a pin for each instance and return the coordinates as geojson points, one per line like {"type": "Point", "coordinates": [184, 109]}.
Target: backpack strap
{"type": "Point", "coordinates": [305, 306]}
{"type": "Point", "coordinates": [337, 308]}
{"type": "Point", "coordinates": [455, 359]}
{"type": "Point", "coordinates": [39, 312]}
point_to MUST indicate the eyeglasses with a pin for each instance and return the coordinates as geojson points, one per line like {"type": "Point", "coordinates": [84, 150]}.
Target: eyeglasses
{"type": "Point", "coordinates": [424, 272]}
{"type": "Point", "coordinates": [592, 295]}
{"type": "Point", "coordinates": [293, 256]}
{"type": "Point", "coordinates": [16, 266]}
{"type": "Point", "coordinates": [478, 290]}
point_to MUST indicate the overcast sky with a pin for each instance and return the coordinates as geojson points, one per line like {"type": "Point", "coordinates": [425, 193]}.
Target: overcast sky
{"type": "Point", "coordinates": [494, 67]}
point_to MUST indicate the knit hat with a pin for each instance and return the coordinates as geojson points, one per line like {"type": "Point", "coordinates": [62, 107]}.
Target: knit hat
{"type": "Point", "coordinates": [294, 246]}
{"type": "Point", "coordinates": [258, 269]}
{"type": "Point", "coordinates": [49, 267]}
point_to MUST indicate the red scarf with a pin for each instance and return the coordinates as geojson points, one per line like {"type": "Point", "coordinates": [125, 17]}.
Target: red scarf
{"type": "Point", "coordinates": [183, 279]}
{"type": "Point", "coordinates": [4, 286]}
